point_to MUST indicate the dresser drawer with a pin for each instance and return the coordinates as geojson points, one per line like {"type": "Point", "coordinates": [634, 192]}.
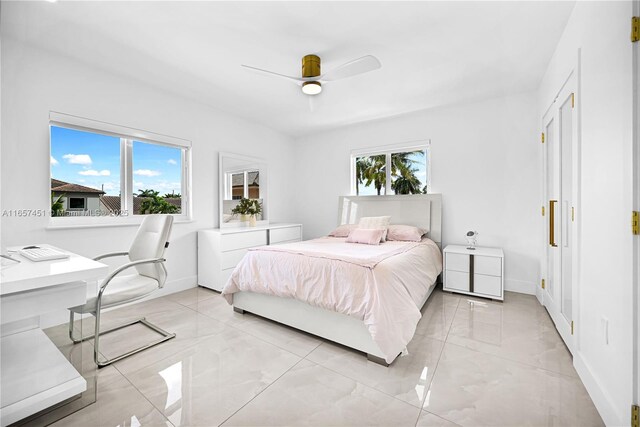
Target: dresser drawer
{"type": "Point", "coordinates": [457, 262]}
{"type": "Point", "coordinates": [248, 239]}
{"type": "Point", "coordinates": [230, 259]}
{"type": "Point", "coordinates": [487, 285]}
{"type": "Point", "coordinates": [456, 280]}
{"type": "Point", "coordinates": [278, 235]}
{"type": "Point", "coordinates": [488, 265]}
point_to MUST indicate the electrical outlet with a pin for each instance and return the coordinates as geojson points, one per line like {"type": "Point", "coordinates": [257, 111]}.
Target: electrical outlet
{"type": "Point", "coordinates": [605, 329]}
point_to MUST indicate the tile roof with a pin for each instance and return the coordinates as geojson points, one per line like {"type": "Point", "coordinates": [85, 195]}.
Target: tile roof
{"type": "Point", "coordinates": [238, 178]}
{"type": "Point", "coordinates": [67, 187]}
{"type": "Point", "coordinates": [112, 203]}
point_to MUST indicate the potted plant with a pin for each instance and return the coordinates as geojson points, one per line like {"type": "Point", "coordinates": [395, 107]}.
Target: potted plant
{"type": "Point", "coordinates": [248, 209]}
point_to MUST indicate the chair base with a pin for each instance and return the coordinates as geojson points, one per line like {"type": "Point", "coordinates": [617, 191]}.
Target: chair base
{"type": "Point", "coordinates": [166, 336]}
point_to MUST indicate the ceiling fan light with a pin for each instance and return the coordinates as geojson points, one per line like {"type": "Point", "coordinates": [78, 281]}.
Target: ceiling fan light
{"type": "Point", "coordinates": [311, 88]}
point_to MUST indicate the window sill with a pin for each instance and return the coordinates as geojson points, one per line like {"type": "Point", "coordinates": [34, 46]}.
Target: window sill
{"type": "Point", "coordinates": [74, 223]}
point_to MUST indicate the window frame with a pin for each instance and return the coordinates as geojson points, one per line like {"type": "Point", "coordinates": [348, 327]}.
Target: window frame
{"type": "Point", "coordinates": [388, 150]}
{"type": "Point", "coordinates": [127, 136]}
{"type": "Point", "coordinates": [84, 203]}
{"type": "Point", "coordinates": [228, 183]}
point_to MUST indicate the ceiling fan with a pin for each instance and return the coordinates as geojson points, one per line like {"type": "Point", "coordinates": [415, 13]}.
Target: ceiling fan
{"type": "Point", "coordinates": [312, 79]}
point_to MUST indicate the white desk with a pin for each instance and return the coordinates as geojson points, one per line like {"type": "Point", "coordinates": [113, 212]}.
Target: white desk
{"type": "Point", "coordinates": [34, 375]}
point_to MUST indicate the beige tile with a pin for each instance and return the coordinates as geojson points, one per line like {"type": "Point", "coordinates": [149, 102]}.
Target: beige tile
{"type": "Point", "coordinates": [516, 331]}
{"type": "Point", "coordinates": [437, 315]}
{"type": "Point", "coordinates": [290, 339]}
{"type": "Point", "coordinates": [442, 297]}
{"type": "Point", "coordinates": [310, 394]}
{"type": "Point", "coordinates": [406, 379]}
{"type": "Point", "coordinates": [192, 296]}
{"type": "Point", "coordinates": [189, 326]}
{"type": "Point", "coordinates": [206, 383]}
{"type": "Point", "coordinates": [474, 388]}
{"type": "Point", "coordinates": [218, 308]}
{"type": "Point", "coordinates": [431, 420]}
{"type": "Point", "coordinates": [118, 404]}
{"type": "Point", "coordinates": [81, 357]}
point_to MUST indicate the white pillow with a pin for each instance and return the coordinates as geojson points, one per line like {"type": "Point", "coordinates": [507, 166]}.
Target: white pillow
{"type": "Point", "coordinates": [381, 222]}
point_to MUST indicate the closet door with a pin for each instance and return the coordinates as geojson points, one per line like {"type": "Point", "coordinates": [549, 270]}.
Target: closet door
{"type": "Point", "coordinates": [561, 178]}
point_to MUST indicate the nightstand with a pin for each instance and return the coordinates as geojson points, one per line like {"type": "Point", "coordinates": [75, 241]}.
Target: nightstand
{"type": "Point", "coordinates": [478, 272]}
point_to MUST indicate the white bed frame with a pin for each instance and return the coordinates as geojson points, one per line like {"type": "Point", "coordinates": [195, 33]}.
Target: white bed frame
{"type": "Point", "coordinates": [424, 210]}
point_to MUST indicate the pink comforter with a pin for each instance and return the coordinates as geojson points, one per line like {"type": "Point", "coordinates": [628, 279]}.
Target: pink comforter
{"type": "Point", "coordinates": [381, 285]}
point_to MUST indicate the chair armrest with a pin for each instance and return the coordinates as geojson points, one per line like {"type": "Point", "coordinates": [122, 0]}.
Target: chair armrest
{"type": "Point", "coordinates": [127, 266]}
{"type": "Point", "coordinates": [111, 254]}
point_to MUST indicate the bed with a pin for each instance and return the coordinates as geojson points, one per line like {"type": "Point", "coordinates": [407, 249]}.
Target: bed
{"type": "Point", "coordinates": [365, 297]}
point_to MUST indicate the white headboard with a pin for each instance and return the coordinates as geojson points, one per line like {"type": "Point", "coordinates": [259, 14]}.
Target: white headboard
{"type": "Point", "coordinates": [419, 210]}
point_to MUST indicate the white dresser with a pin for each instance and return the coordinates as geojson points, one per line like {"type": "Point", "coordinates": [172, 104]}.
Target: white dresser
{"type": "Point", "coordinates": [478, 272]}
{"type": "Point", "coordinates": [220, 250]}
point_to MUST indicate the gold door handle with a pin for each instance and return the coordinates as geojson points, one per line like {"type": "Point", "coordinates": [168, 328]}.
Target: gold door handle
{"type": "Point", "coordinates": [552, 223]}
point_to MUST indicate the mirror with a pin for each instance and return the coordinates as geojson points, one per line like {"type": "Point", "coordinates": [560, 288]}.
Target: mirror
{"type": "Point", "coordinates": [242, 177]}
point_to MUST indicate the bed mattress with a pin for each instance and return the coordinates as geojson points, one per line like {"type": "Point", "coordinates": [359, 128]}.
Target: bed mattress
{"type": "Point", "coordinates": [382, 285]}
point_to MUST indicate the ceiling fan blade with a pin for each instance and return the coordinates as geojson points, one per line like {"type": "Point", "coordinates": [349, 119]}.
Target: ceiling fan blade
{"type": "Point", "coordinates": [271, 73]}
{"type": "Point", "coordinates": [352, 68]}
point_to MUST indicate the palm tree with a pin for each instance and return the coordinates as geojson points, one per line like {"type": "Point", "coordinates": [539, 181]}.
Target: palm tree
{"type": "Point", "coordinates": [407, 182]}
{"type": "Point", "coordinates": [373, 170]}
{"type": "Point", "coordinates": [376, 173]}
{"type": "Point", "coordinates": [147, 193]}
{"type": "Point", "coordinates": [57, 205]}
{"type": "Point", "coordinates": [362, 164]}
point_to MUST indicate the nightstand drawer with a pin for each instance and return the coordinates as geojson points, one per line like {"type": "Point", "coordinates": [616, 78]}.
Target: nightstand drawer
{"type": "Point", "coordinates": [488, 265]}
{"type": "Point", "coordinates": [487, 285]}
{"type": "Point", "coordinates": [456, 280]}
{"type": "Point", "coordinates": [457, 262]}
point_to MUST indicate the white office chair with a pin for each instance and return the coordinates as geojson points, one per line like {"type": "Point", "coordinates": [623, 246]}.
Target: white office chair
{"type": "Point", "coordinates": [146, 256]}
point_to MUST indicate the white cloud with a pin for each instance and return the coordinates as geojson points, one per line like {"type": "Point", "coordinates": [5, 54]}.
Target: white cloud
{"type": "Point", "coordinates": [172, 162]}
{"type": "Point", "coordinates": [91, 172]}
{"type": "Point", "coordinates": [146, 172]}
{"type": "Point", "coordinates": [53, 161]}
{"type": "Point", "coordinates": [108, 186]}
{"type": "Point", "coordinates": [77, 159]}
{"type": "Point", "coordinates": [161, 186]}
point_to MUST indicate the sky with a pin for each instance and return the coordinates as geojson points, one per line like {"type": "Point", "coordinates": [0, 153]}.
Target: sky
{"type": "Point", "coordinates": [421, 174]}
{"type": "Point", "coordinates": [93, 160]}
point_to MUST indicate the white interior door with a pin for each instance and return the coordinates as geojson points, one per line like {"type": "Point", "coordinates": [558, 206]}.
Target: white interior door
{"type": "Point", "coordinates": [636, 202]}
{"type": "Point", "coordinates": [560, 130]}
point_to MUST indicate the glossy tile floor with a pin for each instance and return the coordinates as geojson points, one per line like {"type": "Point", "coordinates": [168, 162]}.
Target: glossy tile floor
{"type": "Point", "coordinates": [472, 362]}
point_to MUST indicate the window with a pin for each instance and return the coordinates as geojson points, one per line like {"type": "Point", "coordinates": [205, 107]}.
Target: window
{"type": "Point", "coordinates": [104, 170]}
{"type": "Point", "coordinates": [391, 170]}
{"type": "Point", "coordinates": [76, 203]}
{"type": "Point", "coordinates": [243, 184]}
{"type": "Point", "coordinates": [157, 179]}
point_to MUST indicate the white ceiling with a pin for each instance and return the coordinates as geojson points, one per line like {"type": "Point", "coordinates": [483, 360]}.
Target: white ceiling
{"type": "Point", "coordinates": [432, 53]}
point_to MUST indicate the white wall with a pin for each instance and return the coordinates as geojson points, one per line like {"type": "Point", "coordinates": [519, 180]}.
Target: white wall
{"type": "Point", "coordinates": [485, 162]}
{"type": "Point", "coordinates": [601, 31]}
{"type": "Point", "coordinates": [35, 82]}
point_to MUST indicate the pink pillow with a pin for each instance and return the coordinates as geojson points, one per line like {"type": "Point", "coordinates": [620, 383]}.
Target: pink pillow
{"type": "Point", "coordinates": [367, 236]}
{"type": "Point", "coordinates": [343, 230]}
{"type": "Point", "coordinates": [405, 233]}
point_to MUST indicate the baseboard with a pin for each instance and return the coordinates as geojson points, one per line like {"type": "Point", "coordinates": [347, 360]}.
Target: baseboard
{"type": "Point", "coordinates": [604, 406]}
{"type": "Point", "coordinates": [59, 317]}
{"type": "Point", "coordinates": [520, 286]}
